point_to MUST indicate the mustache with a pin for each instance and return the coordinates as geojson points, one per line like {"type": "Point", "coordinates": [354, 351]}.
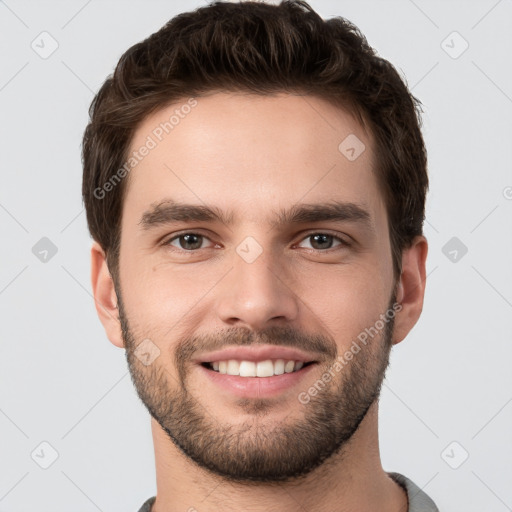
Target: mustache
{"type": "Point", "coordinates": [240, 336]}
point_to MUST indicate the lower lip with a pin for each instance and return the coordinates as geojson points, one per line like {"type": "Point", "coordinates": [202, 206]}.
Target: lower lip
{"type": "Point", "coordinates": [257, 387]}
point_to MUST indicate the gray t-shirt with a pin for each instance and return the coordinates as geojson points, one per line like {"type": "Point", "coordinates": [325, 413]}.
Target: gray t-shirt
{"type": "Point", "coordinates": [418, 500]}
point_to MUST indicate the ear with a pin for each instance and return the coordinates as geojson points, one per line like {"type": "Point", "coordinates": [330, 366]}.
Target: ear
{"type": "Point", "coordinates": [105, 298]}
{"type": "Point", "coordinates": [410, 289]}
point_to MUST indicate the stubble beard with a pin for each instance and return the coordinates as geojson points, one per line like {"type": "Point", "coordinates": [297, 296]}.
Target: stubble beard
{"type": "Point", "coordinates": [259, 449]}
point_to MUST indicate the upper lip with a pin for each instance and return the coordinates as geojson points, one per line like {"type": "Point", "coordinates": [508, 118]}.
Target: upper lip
{"type": "Point", "coordinates": [257, 353]}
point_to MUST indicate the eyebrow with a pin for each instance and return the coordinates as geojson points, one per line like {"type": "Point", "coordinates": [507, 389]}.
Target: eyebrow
{"type": "Point", "coordinates": [169, 211]}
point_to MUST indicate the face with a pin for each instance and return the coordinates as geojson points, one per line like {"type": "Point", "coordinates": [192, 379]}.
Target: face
{"type": "Point", "coordinates": [254, 257]}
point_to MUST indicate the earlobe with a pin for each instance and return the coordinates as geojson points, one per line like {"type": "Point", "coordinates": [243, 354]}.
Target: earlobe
{"type": "Point", "coordinates": [410, 289]}
{"type": "Point", "coordinates": [105, 298]}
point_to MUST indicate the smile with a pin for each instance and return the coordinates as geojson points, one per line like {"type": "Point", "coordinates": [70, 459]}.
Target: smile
{"type": "Point", "coordinates": [266, 368]}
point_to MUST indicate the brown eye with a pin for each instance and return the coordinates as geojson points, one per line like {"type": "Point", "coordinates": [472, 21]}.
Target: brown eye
{"type": "Point", "coordinates": [188, 241]}
{"type": "Point", "coordinates": [323, 241]}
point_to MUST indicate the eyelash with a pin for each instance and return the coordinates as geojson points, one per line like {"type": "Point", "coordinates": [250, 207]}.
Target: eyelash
{"type": "Point", "coordinates": [343, 242]}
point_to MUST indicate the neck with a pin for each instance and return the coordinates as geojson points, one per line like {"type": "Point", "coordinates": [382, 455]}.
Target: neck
{"type": "Point", "coordinates": [352, 480]}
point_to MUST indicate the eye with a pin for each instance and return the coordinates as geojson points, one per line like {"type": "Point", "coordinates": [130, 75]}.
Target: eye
{"type": "Point", "coordinates": [188, 241]}
{"type": "Point", "coordinates": [322, 241]}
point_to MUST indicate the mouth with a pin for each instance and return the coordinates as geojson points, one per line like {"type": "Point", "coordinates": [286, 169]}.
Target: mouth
{"type": "Point", "coordinates": [266, 379]}
{"type": "Point", "coordinates": [257, 371]}
{"type": "Point", "coordinates": [260, 369]}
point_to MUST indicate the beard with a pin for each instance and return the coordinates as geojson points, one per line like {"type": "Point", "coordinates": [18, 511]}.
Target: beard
{"type": "Point", "coordinates": [255, 450]}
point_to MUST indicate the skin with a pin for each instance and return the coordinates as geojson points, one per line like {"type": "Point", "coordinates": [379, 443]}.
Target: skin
{"type": "Point", "coordinates": [249, 156]}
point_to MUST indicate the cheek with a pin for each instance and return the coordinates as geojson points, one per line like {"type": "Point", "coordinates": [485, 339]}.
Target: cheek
{"type": "Point", "coordinates": [165, 297]}
{"type": "Point", "coordinates": [345, 301]}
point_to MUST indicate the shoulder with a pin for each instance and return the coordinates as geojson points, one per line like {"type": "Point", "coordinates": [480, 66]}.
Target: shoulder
{"type": "Point", "coordinates": [418, 500]}
{"type": "Point", "coordinates": [147, 505]}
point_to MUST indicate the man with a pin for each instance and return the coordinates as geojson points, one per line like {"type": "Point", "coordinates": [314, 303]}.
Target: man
{"type": "Point", "coordinates": [255, 181]}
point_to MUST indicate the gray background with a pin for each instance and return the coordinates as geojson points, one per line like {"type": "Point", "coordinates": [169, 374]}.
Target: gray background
{"type": "Point", "coordinates": [448, 392]}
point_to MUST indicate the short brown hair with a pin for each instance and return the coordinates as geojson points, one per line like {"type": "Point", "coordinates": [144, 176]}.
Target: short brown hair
{"type": "Point", "coordinates": [263, 49]}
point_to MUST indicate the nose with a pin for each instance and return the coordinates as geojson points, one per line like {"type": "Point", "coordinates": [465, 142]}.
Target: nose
{"type": "Point", "coordinates": [256, 295]}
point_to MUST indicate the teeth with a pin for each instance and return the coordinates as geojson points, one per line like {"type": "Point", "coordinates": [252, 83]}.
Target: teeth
{"type": "Point", "coordinates": [289, 367]}
{"type": "Point", "coordinates": [279, 367]}
{"type": "Point", "coordinates": [233, 367]}
{"type": "Point", "coordinates": [266, 368]}
{"type": "Point", "coordinates": [247, 369]}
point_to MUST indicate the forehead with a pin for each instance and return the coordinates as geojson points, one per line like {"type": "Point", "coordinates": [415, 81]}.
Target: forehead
{"type": "Point", "coordinates": [251, 154]}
